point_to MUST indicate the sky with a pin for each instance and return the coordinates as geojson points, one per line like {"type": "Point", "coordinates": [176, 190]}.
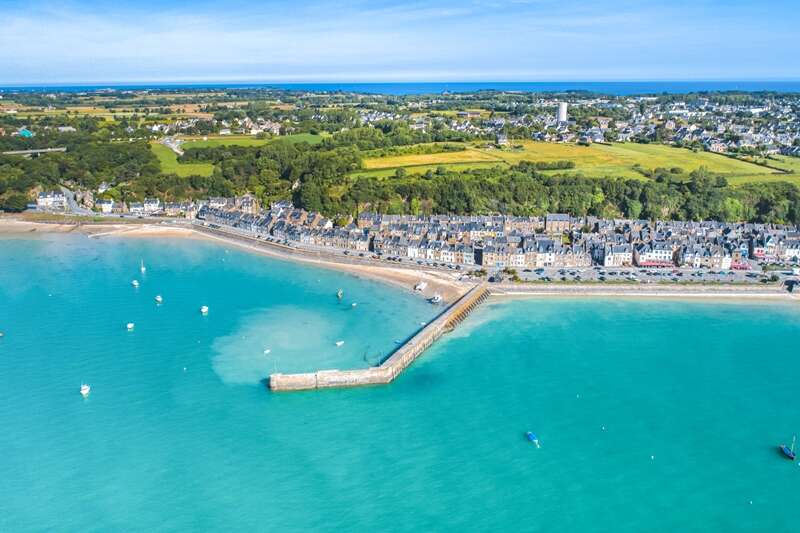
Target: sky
{"type": "Point", "coordinates": [91, 41]}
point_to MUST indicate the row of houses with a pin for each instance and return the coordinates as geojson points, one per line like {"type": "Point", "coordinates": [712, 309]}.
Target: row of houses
{"type": "Point", "coordinates": [498, 242]}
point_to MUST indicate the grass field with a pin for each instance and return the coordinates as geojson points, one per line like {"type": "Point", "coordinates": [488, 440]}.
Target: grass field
{"type": "Point", "coordinates": [246, 140]}
{"type": "Point", "coordinates": [597, 160]}
{"type": "Point", "coordinates": [170, 165]}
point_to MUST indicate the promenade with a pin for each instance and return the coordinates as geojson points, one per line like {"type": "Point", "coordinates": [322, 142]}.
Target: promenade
{"type": "Point", "coordinates": [387, 371]}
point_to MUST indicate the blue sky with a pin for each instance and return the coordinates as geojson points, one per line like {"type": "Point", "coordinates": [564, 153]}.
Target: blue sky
{"type": "Point", "coordinates": [382, 40]}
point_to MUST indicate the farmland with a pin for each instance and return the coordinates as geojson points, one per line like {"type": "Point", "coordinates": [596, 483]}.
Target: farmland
{"type": "Point", "coordinates": [597, 160]}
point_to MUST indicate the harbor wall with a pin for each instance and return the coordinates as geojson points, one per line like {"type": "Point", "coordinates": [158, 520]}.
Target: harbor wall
{"type": "Point", "coordinates": [398, 361]}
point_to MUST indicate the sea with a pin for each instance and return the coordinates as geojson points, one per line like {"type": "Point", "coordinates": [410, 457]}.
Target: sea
{"type": "Point", "coordinates": [616, 88]}
{"type": "Point", "coordinates": [652, 415]}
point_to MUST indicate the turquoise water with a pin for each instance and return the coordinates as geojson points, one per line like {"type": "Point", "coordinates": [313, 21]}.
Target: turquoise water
{"type": "Point", "coordinates": [653, 415]}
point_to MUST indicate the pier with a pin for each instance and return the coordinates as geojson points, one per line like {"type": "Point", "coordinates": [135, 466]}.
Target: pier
{"type": "Point", "coordinates": [398, 361]}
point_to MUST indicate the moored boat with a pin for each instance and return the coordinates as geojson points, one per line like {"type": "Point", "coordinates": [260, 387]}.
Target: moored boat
{"type": "Point", "coordinates": [130, 326]}
{"type": "Point", "coordinates": [204, 310]}
{"type": "Point", "coordinates": [788, 451]}
{"type": "Point", "coordinates": [420, 286]}
{"type": "Point", "coordinates": [142, 268]}
{"type": "Point", "coordinates": [436, 298]}
{"type": "Point", "coordinates": [532, 438]}
{"type": "Point", "coordinates": [135, 283]}
{"type": "Point", "coordinates": [159, 299]}
{"type": "Point", "coordinates": [85, 390]}
{"type": "Point", "coordinates": [340, 294]}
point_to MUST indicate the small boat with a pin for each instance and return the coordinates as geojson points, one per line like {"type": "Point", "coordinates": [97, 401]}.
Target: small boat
{"type": "Point", "coordinates": [130, 326]}
{"type": "Point", "coordinates": [204, 310]}
{"type": "Point", "coordinates": [788, 451]}
{"type": "Point", "coordinates": [267, 351]}
{"type": "Point", "coordinates": [420, 286]}
{"type": "Point", "coordinates": [339, 343]}
{"type": "Point", "coordinates": [135, 283]}
{"type": "Point", "coordinates": [142, 268]}
{"type": "Point", "coordinates": [85, 390]}
{"type": "Point", "coordinates": [353, 304]}
{"type": "Point", "coordinates": [437, 298]}
{"type": "Point", "coordinates": [532, 438]}
{"type": "Point", "coordinates": [2, 334]}
{"type": "Point", "coordinates": [159, 299]}
{"type": "Point", "coordinates": [340, 294]}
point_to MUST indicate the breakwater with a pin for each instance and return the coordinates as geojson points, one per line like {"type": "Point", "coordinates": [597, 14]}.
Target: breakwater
{"type": "Point", "coordinates": [398, 361]}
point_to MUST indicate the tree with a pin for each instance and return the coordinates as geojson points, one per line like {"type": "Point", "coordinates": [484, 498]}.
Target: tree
{"type": "Point", "coordinates": [14, 203]}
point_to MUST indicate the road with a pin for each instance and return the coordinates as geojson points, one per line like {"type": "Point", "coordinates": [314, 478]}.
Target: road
{"type": "Point", "coordinates": [72, 205]}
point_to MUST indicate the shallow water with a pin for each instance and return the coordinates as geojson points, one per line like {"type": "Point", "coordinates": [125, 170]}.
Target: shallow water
{"type": "Point", "coordinates": [653, 415]}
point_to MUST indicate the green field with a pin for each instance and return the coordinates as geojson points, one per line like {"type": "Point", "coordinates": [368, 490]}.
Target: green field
{"type": "Point", "coordinates": [170, 165]}
{"type": "Point", "coordinates": [597, 160]}
{"type": "Point", "coordinates": [247, 140]}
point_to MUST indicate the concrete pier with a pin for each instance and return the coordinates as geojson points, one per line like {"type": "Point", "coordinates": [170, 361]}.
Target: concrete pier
{"type": "Point", "coordinates": [400, 359]}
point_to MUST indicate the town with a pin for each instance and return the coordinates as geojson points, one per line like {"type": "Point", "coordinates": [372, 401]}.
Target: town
{"type": "Point", "coordinates": [491, 245]}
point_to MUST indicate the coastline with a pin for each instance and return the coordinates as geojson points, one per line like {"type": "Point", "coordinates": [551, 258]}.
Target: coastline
{"type": "Point", "coordinates": [404, 277]}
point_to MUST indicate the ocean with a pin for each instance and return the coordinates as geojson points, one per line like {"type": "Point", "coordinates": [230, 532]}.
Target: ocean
{"type": "Point", "coordinates": [653, 415]}
{"type": "Point", "coordinates": [616, 88]}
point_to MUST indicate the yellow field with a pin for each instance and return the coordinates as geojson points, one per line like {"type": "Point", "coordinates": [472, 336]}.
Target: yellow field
{"type": "Point", "coordinates": [597, 160]}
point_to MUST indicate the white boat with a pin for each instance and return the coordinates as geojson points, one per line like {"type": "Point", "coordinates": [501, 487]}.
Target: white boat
{"type": "Point", "coordinates": [420, 286]}
{"type": "Point", "coordinates": [340, 294]}
{"type": "Point", "coordinates": [130, 326]}
{"type": "Point", "coordinates": [339, 343]}
{"type": "Point", "coordinates": [353, 304]}
{"type": "Point", "coordinates": [267, 351]}
{"type": "Point", "coordinates": [159, 299]}
{"type": "Point", "coordinates": [437, 298]}
{"type": "Point", "coordinates": [135, 283]}
{"type": "Point", "coordinates": [204, 310]}
{"type": "Point", "coordinates": [142, 268]}
{"type": "Point", "coordinates": [85, 390]}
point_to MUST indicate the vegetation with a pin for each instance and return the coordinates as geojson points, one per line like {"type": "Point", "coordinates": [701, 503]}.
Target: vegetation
{"type": "Point", "coordinates": [168, 160]}
{"type": "Point", "coordinates": [597, 161]}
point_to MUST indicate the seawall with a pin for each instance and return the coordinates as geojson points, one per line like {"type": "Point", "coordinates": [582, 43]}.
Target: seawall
{"type": "Point", "coordinates": [400, 359]}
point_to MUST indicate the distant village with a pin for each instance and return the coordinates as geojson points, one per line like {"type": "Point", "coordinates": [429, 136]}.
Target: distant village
{"type": "Point", "coordinates": [766, 124]}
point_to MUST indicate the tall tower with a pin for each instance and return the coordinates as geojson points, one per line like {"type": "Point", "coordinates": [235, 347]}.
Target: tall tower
{"type": "Point", "coordinates": [561, 116]}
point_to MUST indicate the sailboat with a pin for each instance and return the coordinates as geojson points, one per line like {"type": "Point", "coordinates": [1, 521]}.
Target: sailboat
{"type": "Point", "coordinates": [789, 451]}
{"type": "Point", "coordinates": [142, 268]}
